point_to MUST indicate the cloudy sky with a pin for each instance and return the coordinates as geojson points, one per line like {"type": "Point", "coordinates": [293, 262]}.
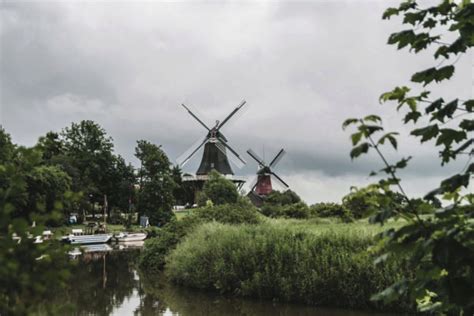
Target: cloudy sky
{"type": "Point", "coordinates": [303, 68]}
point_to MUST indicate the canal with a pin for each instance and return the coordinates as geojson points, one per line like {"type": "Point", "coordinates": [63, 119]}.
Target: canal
{"type": "Point", "coordinates": [109, 283]}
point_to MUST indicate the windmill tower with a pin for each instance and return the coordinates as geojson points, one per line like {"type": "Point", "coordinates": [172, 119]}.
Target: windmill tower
{"type": "Point", "coordinates": [215, 155]}
{"type": "Point", "coordinates": [262, 185]}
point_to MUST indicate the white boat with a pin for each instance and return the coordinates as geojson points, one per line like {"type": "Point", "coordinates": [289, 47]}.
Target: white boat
{"type": "Point", "coordinates": [88, 239]}
{"type": "Point", "coordinates": [127, 237]}
{"type": "Point", "coordinates": [96, 248]}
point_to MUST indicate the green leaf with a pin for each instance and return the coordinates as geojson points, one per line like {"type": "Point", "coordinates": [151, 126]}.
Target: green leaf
{"type": "Point", "coordinates": [467, 125]}
{"type": "Point", "coordinates": [429, 23]}
{"type": "Point", "coordinates": [469, 105]}
{"type": "Point", "coordinates": [349, 122]}
{"type": "Point", "coordinates": [390, 137]}
{"type": "Point", "coordinates": [414, 17]}
{"type": "Point", "coordinates": [358, 150]}
{"type": "Point", "coordinates": [433, 74]}
{"type": "Point", "coordinates": [403, 38]}
{"type": "Point", "coordinates": [373, 118]}
{"type": "Point", "coordinates": [389, 12]}
{"type": "Point", "coordinates": [455, 182]}
{"type": "Point", "coordinates": [427, 132]}
{"type": "Point", "coordinates": [396, 94]}
{"type": "Point", "coordinates": [356, 138]}
{"type": "Point", "coordinates": [402, 163]}
{"type": "Point", "coordinates": [446, 111]}
{"type": "Point", "coordinates": [434, 105]}
{"type": "Point", "coordinates": [412, 116]}
{"type": "Point", "coordinates": [448, 136]}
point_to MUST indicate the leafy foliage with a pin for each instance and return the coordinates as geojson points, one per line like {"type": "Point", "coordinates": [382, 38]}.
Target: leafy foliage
{"type": "Point", "coordinates": [155, 196]}
{"type": "Point", "coordinates": [218, 189]}
{"type": "Point", "coordinates": [331, 210]}
{"type": "Point", "coordinates": [439, 246]}
{"type": "Point", "coordinates": [156, 249]}
{"type": "Point", "coordinates": [30, 273]}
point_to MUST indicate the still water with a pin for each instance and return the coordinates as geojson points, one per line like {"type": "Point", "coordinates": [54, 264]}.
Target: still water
{"type": "Point", "coordinates": [108, 283]}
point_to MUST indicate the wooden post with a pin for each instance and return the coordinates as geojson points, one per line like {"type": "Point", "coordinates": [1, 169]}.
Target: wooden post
{"type": "Point", "coordinates": [105, 212]}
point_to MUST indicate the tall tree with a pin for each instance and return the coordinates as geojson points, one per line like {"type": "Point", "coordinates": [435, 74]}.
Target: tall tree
{"type": "Point", "coordinates": [155, 197]}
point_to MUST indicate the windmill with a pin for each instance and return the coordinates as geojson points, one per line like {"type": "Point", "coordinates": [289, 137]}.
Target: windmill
{"type": "Point", "coordinates": [215, 155]}
{"type": "Point", "coordinates": [262, 185]}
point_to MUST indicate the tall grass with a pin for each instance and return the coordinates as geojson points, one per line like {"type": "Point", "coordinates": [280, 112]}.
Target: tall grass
{"type": "Point", "coordinates": [295, 261]}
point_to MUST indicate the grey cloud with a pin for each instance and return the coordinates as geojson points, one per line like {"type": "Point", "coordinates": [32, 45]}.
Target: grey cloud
{"type": "Point", "coordinates": [303, 68]}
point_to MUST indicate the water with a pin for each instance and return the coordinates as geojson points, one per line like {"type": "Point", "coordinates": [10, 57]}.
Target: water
{"type": "Point", "coordinates": [108, 283]}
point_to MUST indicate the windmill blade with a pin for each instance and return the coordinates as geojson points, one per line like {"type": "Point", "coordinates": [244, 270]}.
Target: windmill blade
{"type": "Point", "coordinates": [231, 114]}
{"type": "Point", "coordinates": [256, 157]}
{"type": "Point", "coordinates": [239, 162]}
{"type": "Point", "coordinates": [188, 154]}
{"type": "Point", "coordinates": [277, 158]}
{"type": "Point", "coordinates": [280, 180]}
{"type": "Point", "coordinates": [253, 184]}
{"type": "Point", "coordinates": [197, 119]}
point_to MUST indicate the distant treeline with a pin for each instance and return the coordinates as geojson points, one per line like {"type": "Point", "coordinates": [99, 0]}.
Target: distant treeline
{"type": "Point", "coordinates": [80, 161]}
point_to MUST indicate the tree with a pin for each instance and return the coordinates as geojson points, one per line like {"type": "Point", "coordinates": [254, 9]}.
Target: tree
{"type": "Point", "coordinates": [155, 196]}
{"type": "Point", "coordinates": [218, 189]}
{"type": "Point", "coordinates": [282, 198]}
{"type": "Point", "coordinates": [438, 247]}
{"type": "Point", "coordinates": [90, 159]}
{"type": "Point", "coordinates": [183, 192]}
{"type": "Point", "coordinates": [30, 273]}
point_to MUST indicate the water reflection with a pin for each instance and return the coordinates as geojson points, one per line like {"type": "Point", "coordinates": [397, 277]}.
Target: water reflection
{"type": "Point", "coordinates": [107, 283]}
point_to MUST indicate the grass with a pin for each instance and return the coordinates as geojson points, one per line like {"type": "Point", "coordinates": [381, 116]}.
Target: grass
{"type": "Point", "coordinates": [317, 262]}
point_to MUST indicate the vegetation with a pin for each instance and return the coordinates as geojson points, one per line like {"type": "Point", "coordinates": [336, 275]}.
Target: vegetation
{"type": "Point", "coordinates": [314, 264]}
{"type": "Point", "coordinates": [156, 249]}
{"type": "Point", "coordinates": [29, 272]}
{"type": "Point", "coordinates": [155, 195]}
{"type": "Point", "coordinates": [439, 247]}
{"type": "Point", "coordinates": [218, 190]}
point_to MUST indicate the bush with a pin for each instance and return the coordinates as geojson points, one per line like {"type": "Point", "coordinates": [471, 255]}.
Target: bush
{"type": "Point", "coordinates": [219, 190]}
{"type": "Point", "coordinates": [242, 212]}
{"type": "Point", "coordinates": [277, 262]}
{"type": "Point", "coordinates": [295, 210]}
{"type": "Point", "coordinates": [153, 256]}
{"type": "Point", "coordinates": [282, 198]}
{"type": "Point", "coordinates": [330, 210]}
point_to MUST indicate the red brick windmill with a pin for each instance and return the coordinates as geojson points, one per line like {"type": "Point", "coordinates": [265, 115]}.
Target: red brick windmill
{"type": "Point", "coordinates": [263, 183]}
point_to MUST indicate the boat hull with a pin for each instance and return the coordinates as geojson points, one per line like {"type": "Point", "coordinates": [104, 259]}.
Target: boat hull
{"type": "Point", "coordinates": [131, 237]}
{"type": "Point", "coordinates": [89, 239]}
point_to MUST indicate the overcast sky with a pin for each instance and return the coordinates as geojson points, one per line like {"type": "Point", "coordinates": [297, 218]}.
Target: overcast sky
{"type": "Point", "coordinates": [303, 68]}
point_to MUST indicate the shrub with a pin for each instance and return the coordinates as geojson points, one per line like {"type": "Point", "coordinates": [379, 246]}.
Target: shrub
{"type": "Point", "coordinates": [153, 256]}
{"type": "Point", "coordinates": [295, 210]}
{"type": "Point", "coordinates": [219, 190]}
{"type": "Point", "coordinates": [282, 198]}
{"type": "Point", "coordinates": [277, 262]}
{"type": "Point", "coordinates": [330, 210]}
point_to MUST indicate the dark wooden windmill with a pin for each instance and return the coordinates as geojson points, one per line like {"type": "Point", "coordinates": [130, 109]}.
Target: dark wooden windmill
{"type": "Point", "coordinates": [215, 155]}
{"type": "Point", "coordinates": [262, 185]}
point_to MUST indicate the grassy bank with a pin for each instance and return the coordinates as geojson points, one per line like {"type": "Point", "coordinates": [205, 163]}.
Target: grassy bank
{"type": "Point", "coordinates": [313, 262]}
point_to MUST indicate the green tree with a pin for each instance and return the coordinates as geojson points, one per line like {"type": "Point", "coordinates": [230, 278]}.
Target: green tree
{"type": "Point", "coordinates": [183, 192]}
{"type": "Point", "coordinates": [439, 248]}
{"type": "Point", "coordinates": [30, 273]}
{"type": "Point", "coordinates": [89, 154]}
{"type": "Point", "coordinates": [155, 196]}
{"type": "Point", "coordinates": [282, 198]}
{"type": "Point", "coordinates": [218, 189]}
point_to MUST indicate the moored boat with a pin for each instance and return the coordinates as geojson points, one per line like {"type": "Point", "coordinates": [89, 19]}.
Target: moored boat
{"type": "Point", "coordinates": [88, 239]}
{"type": "Point", "coordinates": [127, 237]}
